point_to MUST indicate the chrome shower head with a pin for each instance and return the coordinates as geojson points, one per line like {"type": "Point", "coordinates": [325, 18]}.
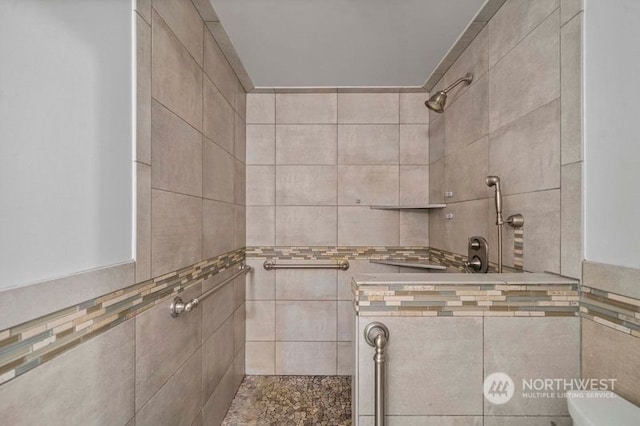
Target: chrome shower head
{"type": "Point", "coordinates": [437, 102]}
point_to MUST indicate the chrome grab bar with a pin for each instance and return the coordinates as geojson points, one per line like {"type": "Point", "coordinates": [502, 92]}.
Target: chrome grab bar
{"type": "Point", "coordinates": [178, 306]}
{"type": "Point", "coordinates": [343, 265]}
{"type": "Point", "coordinates": [376, 335]}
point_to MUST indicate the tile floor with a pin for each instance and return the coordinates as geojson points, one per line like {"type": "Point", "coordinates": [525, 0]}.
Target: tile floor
{"type": "Point", "coordinates": [291, 400]}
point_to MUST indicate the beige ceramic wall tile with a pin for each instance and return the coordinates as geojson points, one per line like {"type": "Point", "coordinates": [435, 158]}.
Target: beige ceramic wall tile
{"type": "Point", "coordinates": [346, 321]}
{"type": "Point", "coordinates": [261, 225]}
{"type": "Point", "coordinates": [298, 108]}
{"type": "Point", "coordinates": [520, 348]}
{"type": "Point", "coordinates": [571, 221]}
{"type": "Point", "coordinates": [474, 60]}
{"type": "Point", "coordinates": [215, 408]}
{"type": "Point", "coordinates": [368, 144]}
{"type": "Point", "coordinates": [418, 375]}
{"type": "Point", "coordinates": [261, 358]}
{"type": "Point", "coordinates": [526, 153]}
{"type": "Point", "coordinates": [345, 359]}
{"type": "Point", "coordinates": [306, 144]}
{"type": "Point", "coordinates": [414, 185]}
{"type": "Point", "coordinates": [217, 357]}
{"type": "Point", "coordinates": [261, 320]}
{"type": "Point", "coordinates": [157, 359]}
{"type": "Point", "coordinates": [240, 235]}
{"type": "Point", "coordinates": [143, 222]}
{"type": "Point", "coordinates": [218, 224]}
{"type": "Point", "coordinates": [368, 185]}
{"type": "Point", "coordinates": [610, 354]}
{"type": "Point", "coordinates": [306, 284]}
{"type": "Point", "coordinates": [314, 226]}
{"type": "Point", "coordinates": [413, 109]}
{"type": "Point", "coordinates": [240, 183]}
{"type": "Point", "coordinates": [437, 181]}
{"type": "Point", "coordinates": [178, 400]}
{"type": "Point", "coordinates": [218, 69]}
{"type": "Point", "coordinates": [414, 144]}
{"type": "Point", "coordinates": [362, 226]}
{"type": "Point", "coordinates": [218, 307]}
{"type": "Point", "coordinates": [613, 278]}
{"type": "Point", "coordinates": [240, 139]}
{"type": "Point", "coordinates": [306, 321]}
{"type": "Point", "coordinates": [218, 117]}
{"type": "Point", "coordinates": [176, 77]}
{"type": "Point", "coordinates": [436, 139]}
{"type": "Point", "coordinates": [218, 172]}
{"type": "Point", "coordinates": [143, 91]}
{"type": "Point", "coordinates": [541, 211]}
{"type": "Point", "coordinates": [176, 231]}
{"type": "Point", "coordinates": [466, 119]}
{"type": "Point", "coordinates": [357, 108]}
{"type": "Point", "coordinates": [414, 229]}
{"type": "Point", "coordinates": [306, 185]}
{"type": "Point", "coordinates": [452, 234]}
{"type": "Point", "coordinates": [261, 108]}
{"type": "Point", "coordinates": [239, 329]}
{"type": "Point", "coordinates": [261, 144]}
{"type": "Point", "coordinates": [143, 7]}
{"type": "Point", "coordinates": [103, 394]}
{"type": "Point", "coordinates": [206, 10]}
{"type": "Point", "coordinates": [261, 185]}
{"type": "Point", "coordinates": [466, 171]}
{"type": "Point", "coordinates": [569, 9]}
{"type": "Point", "coordinates": [308, 358]}
{"type": "Point", "coordinates": [260, 283]}
{"type": "Point", "coordinates": [571, 90]}
{"type": "Point", "coordinates": [528, 77]}
{"type": "Point", "coordinates": [176, 153]}
{"type": "Point", "coordinates": [511, 24]}
{"type": "Point", "coordinates": [185, 22]}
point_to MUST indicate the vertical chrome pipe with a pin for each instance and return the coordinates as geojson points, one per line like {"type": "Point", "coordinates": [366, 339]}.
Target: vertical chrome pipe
{"type": "Point", "coordinates": [377, 335]}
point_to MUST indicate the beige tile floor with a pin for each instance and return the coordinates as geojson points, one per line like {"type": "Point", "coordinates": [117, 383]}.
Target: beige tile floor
{"type": "Point", "coordinates": [292, 400]}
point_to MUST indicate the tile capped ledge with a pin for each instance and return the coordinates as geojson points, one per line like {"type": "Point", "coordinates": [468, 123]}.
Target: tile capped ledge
{"type": "Point", "coordinates": [505, 295]}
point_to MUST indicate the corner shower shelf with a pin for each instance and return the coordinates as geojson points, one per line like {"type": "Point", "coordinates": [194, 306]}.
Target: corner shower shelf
{"type": "Point", "coordinates": [411, 207]}
{"type": "Point", "coordinates": [409, 264]}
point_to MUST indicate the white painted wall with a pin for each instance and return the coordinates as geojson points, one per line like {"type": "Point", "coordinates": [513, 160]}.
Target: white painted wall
{"type": "Point", "coordinates": [612, 132]}
{"type": "Point", "coordinates": [65, 137]}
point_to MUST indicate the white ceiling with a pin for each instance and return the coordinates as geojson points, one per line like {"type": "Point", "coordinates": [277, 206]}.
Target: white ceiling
{"type": "Point", "coordinates": [343, 43]}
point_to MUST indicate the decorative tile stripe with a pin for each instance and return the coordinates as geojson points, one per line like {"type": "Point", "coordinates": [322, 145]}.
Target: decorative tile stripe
{"type": "Point", "coordinates": [522, 300]}
{"type": "Point", "coordinates": [338, 252]}
{"type": "Point", "coordinates": [612, 310]}
{"type": "Point", "coordinates": [518, 249]}
{"type": "Point", "coordinates": [30, 344]}
{"type": "Point", "coordinates": [455, 262]}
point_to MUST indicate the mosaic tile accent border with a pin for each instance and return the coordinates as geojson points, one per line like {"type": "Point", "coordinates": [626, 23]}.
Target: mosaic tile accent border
{"type": "Point", "coordinates": [455, 261]}
{"type": "Point", "coordinates": [490, 299]}
{"type": "Point", "coordinates": [612, 310]}
{"type": "Point", "coordinates": [338, 252]}
{"type": "Point", "coordinates": [518, 249]}
{"type": "Point", "coordinates": [35, 342]}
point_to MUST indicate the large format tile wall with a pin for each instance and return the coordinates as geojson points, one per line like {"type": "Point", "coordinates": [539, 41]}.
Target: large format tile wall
{"type": "Point", "coordinates": [610, 308]}
{"type": "Point", "coordinates": [520, 119]}
{"type": "Point", "coordinates": [190, 167]}
{"type": "Point", "coordinates": [315, 162]}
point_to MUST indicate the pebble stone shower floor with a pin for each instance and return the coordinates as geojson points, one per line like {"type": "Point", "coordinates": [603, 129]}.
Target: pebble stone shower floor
{"type": "Point", "coordinates": [291, 400]}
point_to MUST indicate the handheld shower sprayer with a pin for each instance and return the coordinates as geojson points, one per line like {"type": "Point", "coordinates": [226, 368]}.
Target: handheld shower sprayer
{"type": "Point", "coordinates": [495, 181]}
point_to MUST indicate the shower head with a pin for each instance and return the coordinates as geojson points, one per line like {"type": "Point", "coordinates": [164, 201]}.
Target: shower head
{"type": "Point", "coordinates": [437, 102]}
{"type": "Point", "coordinates": [495, 181]}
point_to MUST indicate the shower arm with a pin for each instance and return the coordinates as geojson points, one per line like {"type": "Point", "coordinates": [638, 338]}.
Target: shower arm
{"type": "Point", "coordinates": [466, 79]}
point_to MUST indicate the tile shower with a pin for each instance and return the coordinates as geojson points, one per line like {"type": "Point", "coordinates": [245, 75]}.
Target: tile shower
{"type": "Point", "coordinates": [226, 177]}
